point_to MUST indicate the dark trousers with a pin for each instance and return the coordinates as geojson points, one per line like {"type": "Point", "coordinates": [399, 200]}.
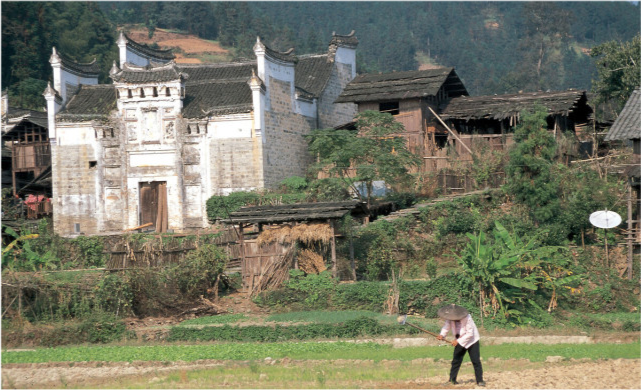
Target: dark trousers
{"type": "Point", "coordinates": [475, 356]}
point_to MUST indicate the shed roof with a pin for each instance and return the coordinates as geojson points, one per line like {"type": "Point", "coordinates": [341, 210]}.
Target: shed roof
{"type": "Point", "coordinates": [504, 106]}
{"type": "Point", "coordinates": [401, 85]}
{"type": "Point", "coordinates": [300, 212]}
{"type": "Point", "coordinates": [628, 124]}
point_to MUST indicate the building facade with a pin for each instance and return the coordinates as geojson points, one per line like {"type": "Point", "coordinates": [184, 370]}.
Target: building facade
{"type": "Point", "coordinates": [152, 147]}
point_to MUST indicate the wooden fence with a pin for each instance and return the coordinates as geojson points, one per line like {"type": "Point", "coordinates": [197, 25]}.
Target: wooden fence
{"type": "Point", "coordinates": [253, 264]}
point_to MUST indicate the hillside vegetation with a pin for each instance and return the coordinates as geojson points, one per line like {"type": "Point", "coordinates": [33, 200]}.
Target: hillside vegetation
{"type": "Point", "coordinates": [496, 47]}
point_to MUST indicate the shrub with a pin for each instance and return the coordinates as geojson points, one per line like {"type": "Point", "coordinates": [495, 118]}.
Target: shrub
{"type": "Point", "coordinates": [199, 270]}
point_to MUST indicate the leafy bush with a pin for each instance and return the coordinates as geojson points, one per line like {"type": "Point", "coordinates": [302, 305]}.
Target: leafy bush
{"type": "Point", "coordinates": [362, 326]}
{"type": "Point", "coordinates": [329, 189]}
{"type": "Point", "coordinates": [114, 294]}
{"type": "Point", "coordinates": [294, 184]}
{"type": "Point", "coordinates": [199, 270]}
{"type": "Point", "coordinates": [219, 207]}
{"type": "Point", "coordinates": [402, 200]}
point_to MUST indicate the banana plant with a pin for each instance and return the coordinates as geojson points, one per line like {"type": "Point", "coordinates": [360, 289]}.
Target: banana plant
{"type": "Point", "coordinates": [495, 268]}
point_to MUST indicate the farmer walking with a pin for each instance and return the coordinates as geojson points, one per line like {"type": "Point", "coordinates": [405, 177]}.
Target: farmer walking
{"type": "Point", "coordinates": [460, 322]}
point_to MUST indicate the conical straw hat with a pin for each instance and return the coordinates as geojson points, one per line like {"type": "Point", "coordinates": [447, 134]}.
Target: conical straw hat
{"type": "Point", "coordinates": [452, 312]}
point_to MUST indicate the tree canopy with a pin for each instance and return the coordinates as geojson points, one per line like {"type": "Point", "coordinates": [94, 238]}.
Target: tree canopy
{"type": "Point", "coordinates": [375, 151]}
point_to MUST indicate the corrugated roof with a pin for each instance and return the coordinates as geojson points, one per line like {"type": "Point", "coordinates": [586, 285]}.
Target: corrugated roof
{"type": "Point", "coordinates": [628, 124]}
{"type": "Point", "coordinates": [504, 106]}
{"type": "Point", "coordinates": [398, 85]}
{"type": "Point", "coordinates": [91, 101]}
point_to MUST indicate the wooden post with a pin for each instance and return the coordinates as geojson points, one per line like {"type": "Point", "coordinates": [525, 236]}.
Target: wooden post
{"type": "Point", "coordinates": [243, 265]}
{"type": "Point", "coordinates": [450, 130]}
{"type": "Point", "coordinates": [630, 237]}
{"type": "Point", "coordinates": [333, 248]}
{"type": "Point", "coordinates": [351, 257]}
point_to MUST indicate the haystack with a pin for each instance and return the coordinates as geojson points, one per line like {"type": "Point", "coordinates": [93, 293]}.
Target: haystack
{"type": "Point", "coordinates": [305, 233]}
{"type": "Point", "coordinates": [310, 262]}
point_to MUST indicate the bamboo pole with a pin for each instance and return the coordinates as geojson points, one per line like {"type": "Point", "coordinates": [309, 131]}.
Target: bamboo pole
{"type": "Point", "coordinates": [450, 130]}
{"type": "Point", "coordinates": [630, 233]}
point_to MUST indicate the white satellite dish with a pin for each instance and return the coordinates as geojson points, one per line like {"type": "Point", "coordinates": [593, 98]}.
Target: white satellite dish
{"type": "Point", "coordinates": [605, 219]}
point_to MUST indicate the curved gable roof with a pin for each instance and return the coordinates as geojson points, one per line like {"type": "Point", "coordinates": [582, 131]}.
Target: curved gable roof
{"type": "Point", "coordinates": [628, 124]}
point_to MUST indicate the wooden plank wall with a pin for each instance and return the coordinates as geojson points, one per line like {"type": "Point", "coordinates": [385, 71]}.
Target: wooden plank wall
{"type": "Point", "coordinates": [258, 259]}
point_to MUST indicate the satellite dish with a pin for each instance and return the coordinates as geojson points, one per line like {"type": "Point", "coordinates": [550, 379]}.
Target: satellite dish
{"type": "Point", "coordinates": [605, 219]}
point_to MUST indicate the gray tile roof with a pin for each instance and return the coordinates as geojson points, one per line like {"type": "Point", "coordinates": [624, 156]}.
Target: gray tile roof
{"type": "Point", "coordinates": [628, 124]}
{"type": "Point", "coordinates": [91, 68]}
{"type": "Point", "coordinates": [217, 98]}
{"type": "Point", "coordinates": [313, 73]}
{"type": "Point", "coordinates": [401, 85]}
{"type": "Point", "coordinates": [148, 74]}
{"type": "Point", "coordinates": [198, 73]}
{"type": "Point", "coordinates": [505, 106]}
{"type": "Point", "coordinates": [295, 212]}
{"type": "Point", "coordinates": [90, 102]}
{"type": "Point", "coordinates": [164, 54]}
{"type": "Point", "coordinates": [348, 40]}
{"type": "Point", "coordinates": [210, 89]}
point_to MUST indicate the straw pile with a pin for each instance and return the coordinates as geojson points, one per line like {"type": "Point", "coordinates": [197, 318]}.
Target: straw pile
{"type": "Point", "coordinates": [310, 262]}
{"type": "Point", "coordinates": [304, 233]}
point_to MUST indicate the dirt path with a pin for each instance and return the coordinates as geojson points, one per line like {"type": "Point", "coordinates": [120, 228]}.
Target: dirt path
{"type": "Point", "coordinates": [502, 374]}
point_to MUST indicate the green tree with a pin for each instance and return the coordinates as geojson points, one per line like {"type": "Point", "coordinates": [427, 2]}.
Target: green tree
{"type": "Point", "coordinates": [376, 151]}
{"type": "Point", "coordinates": [529, 172]}
{"type": "Point", "coordinates": [619, 72]}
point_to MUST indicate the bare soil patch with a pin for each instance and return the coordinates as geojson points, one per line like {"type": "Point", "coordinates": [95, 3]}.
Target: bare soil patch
{"type": "Point", "coordinates": [186, 44]}
{"type": "Point", "coordinates": [502, 374]}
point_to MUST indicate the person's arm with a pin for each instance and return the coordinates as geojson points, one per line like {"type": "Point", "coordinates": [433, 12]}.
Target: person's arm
{"type": "Point", "coordinates": [444, 330]}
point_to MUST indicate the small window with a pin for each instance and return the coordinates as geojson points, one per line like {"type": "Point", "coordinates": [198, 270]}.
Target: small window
{"type": "Point", "coordinates": [167, 92]}
{"type": "Point", "coordinates": [117, 94]}
{"type": "Point", "coordinates": [130, 94]}
{"type": "Point", "coordinates": [93, 164]}
{"type": "Point", "coordinates": [390, 107]}
{"type": "Point", "coordinates": [155, 92]}
{"type": "Point", "coordinates": [76, 228]}
{"type": "Point", "coordinates": [142, 92]}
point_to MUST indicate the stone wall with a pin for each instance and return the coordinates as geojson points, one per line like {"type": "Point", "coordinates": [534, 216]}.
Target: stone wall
{"type": "Point", "coordinates": [235, 165]}
{"type": "Point", "coordinates": [330, 114]}
{"type": "Point", "coordinates": [74, 189]}
{"type": "Point", "coordinates": [285, 147]}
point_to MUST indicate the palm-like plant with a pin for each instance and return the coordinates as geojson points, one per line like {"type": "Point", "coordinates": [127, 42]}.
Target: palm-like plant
{"type": "Point", "coordinates": [508, 268]}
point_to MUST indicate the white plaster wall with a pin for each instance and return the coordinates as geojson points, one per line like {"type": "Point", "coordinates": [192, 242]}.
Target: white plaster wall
{"type": "Point", "coordinates": [346, 56]}
{"type": "Point", "coordinates": [81, 135]}
{"type": "Point", "coordinates": [230, 127]}
{"type": "Point", "coordinates": [70, 78]}
{"type": "Point", "coordinates": [306, 108]}
{"type": "Point", "coordinates": [135, 59]}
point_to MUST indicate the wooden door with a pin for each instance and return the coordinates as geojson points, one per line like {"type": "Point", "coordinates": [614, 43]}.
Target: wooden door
{"type": "Point", "coordinates": [153, 205]}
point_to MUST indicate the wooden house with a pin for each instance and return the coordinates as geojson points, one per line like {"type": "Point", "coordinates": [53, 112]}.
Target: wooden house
{"type": "Point", "coordinates": [443, 124]}
{"type": "Point", "coordinates": [627, 128]}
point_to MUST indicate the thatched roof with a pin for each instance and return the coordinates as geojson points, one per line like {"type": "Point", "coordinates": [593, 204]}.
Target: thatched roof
{"type": "Point", "coordinates": [500, 107]}
{"type": "Point", "coordinates": [300, 212]}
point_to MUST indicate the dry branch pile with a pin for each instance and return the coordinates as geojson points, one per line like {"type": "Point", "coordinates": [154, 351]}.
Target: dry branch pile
{"type": "Point", "coordinates": [275, 273]}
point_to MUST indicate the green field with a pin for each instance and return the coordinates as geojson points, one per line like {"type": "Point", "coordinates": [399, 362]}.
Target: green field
{"type": "Point", "coordinates": [312, 351]}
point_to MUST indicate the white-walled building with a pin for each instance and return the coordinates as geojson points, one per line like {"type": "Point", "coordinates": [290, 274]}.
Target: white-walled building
{"type": "Point", "coordinates": [153, 146]}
